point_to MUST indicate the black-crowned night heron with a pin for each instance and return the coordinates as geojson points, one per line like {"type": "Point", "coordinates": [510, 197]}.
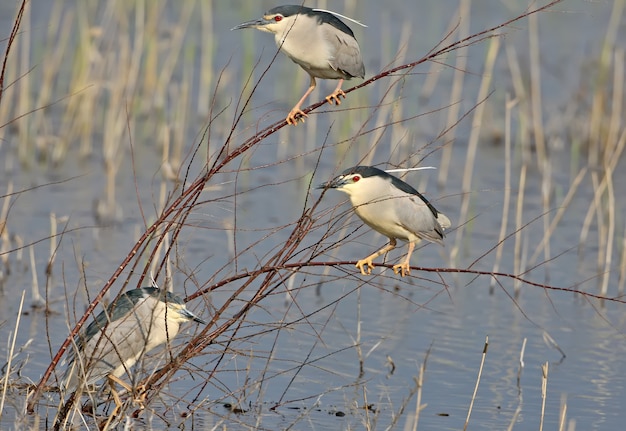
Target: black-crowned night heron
{"type": "Point", "coordinates": [135, 323]}
{"type": "Point", "coordinates": [392, 207]}
{"type": "Point", "coordinates": [316, 40]}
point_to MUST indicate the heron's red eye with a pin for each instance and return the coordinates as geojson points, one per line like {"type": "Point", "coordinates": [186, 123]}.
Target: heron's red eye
{"type": "Point", "coordinates": [278, 18]}
{"type": "Point", "coordinates": [355, 178]}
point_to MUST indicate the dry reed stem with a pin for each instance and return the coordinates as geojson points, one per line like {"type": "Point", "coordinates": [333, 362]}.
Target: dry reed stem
{"type": "Point", "coordinates": [57, 23]}
{"type": "Point", "coordinates": [463, 18]}
{"type": "Point", "coordinates": [24, 87]}
{"type": "Point", "coordinates": [368, 424]}
{"type": "Point", "coordinates": [37, 298]}
{"type": "Point", "coordinates": [520, 402]}
{"type": "Point", "coordinates": [517, 252]}
{"type": "Point", "coordinates": [596, 128]}
{"type": "Point", "coordinates": [420, 385]}
{"type": "Point", "coordinates": [383, 113]}
{"type": "Point", "coordinates": [480, 372]}
{"type": "Point", "coordinates": [521, 362]}
{"type": "Point", "coordinates": [10, 354]}
{"type": "Point", "coordinates": [472, 145]}
{"type": "Point", "coordinates": [206, 58]}
{"type": "Point", "coordinates": [544, 389]}
{"type": "Point", "coordinates": [401, 147]}
{"type": "Point", "coordinates": [516, 414]}
{"type": "Point", "coordinates": [411, 422]}
{"type": "Point", "coordinates": [615, 126]}
{"type": "Point", "coordinates": [509, 105]}
{"type": "Point", "coordinates": [357, 341]}
{"type": "Point", "coordinates": [622, 266]}
{"type": "Point", "coordinates": [5, 238]}
{"type": "Point", "coordinates": [536, 99]}
{"type": "Point", "coordinates": [563, 413]}
{"type": "Point", "coordinates": [610, 235]}
{"type": "Point", "coordinates": [432, 77]}
{"type": "Point", "coordinates": [599, 190]}
{"type": "Point", "coordinates": [613, 141]}
{"type": "Point", "coordinates": [520, 94]}
{"type": "Point", "coordinates": [564, 205]}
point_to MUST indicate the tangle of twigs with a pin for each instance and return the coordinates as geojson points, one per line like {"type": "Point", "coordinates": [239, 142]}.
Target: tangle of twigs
{"type": "Point", "coordinates": [271, 273]}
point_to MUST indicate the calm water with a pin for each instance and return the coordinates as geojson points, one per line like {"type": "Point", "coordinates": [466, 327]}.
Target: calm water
{"type": "Point", "coordinates": [311, 367]}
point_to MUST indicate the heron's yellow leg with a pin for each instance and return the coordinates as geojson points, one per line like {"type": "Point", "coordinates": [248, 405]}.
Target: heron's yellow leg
{"type": "Point", "coordinates": [366, 265]}
{"type": "Point", "coordinates": [293, 118]}
{"type": "Point", "coordinates": [404, 268]}
{"type": "Point", "coordinates": [334, 96]}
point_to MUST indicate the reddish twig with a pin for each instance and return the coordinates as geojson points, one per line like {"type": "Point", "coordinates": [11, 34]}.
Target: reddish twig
{"type": "Point", "coordinates": [12, 36]}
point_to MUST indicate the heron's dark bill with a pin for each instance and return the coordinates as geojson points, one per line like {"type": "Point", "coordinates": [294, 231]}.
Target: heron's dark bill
{"type": "Point", "coordinates": [332, 184]}
{"type": "Point", "coordinates": [189, 315]}
{"type": "Point", "coordinates": [255, 23]}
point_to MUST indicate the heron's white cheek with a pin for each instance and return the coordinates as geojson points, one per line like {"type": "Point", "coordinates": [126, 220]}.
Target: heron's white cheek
{"type": "Point", "coordinates": [344, 190]}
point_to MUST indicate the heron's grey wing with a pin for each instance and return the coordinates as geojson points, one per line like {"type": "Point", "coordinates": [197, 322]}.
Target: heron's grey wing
{"type": "Point", "coordinates": [416, 217]}
{"type": "Point", "coordinates": [347, 55]}
{"type": "Point", "coordinates": [444, 221]}
{"type": "Point", "coordinates": [116, 349]}
{"type": "Point", "coordinates": [113, 312]}
{"type": "Point", "coordinates": [82, 365]}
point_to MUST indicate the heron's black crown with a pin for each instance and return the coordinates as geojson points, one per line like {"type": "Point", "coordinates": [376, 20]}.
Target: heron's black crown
{"type": "Point", "coordinates": [371, 171]}
{"type": "Point", "coordinates": [322, 17]}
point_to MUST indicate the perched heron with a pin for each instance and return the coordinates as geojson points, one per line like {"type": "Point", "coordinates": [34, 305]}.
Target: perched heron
{"type": "Point", "coordinates": [392, 207]}
{"type": "Point", "coordinates": [316, 40]}
{"type": "Point", "coordinates": [135, 323]}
